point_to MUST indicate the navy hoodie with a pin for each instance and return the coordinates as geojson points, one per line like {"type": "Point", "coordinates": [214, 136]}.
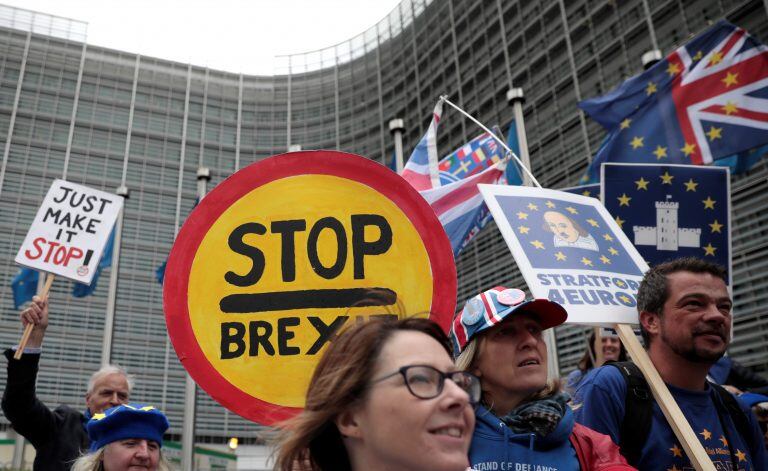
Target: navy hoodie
{"type": "Point", "coordinates": [496, 447]}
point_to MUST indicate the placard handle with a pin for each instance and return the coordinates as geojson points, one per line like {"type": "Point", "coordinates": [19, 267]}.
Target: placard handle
{"type": "Point", "coordinates": [28, 329]}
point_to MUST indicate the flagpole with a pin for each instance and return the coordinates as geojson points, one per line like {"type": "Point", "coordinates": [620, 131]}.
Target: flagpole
{"type": "Point", "coordinates": [109, 320]}
{"type": "Point", "coordinates": [190, 391]}
{"type": "Point", "coordinates": [516, 98]}
{"type": "Point", "coordinates": [396, 128]}
{"type": "Point", "coordinates": [19, 444]}
{"type": "Point", "coordinates": [122, 190]}
{"type": "Point", "coordinates": [649, 22]}
{"type": "Point", "coordinates": [190, 388]}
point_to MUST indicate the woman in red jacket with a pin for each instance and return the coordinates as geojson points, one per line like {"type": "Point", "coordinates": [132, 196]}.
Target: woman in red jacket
{"type": "Point", "coordinates": [523, 421]}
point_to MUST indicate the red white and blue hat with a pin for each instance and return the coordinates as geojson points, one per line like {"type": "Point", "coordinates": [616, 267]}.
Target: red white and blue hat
{"type": "Point", "coordinates": [491, 307]}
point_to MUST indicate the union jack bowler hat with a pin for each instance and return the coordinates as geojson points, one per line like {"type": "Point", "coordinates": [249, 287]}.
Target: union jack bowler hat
{"type": "Point", "coordinates": [491, 307]}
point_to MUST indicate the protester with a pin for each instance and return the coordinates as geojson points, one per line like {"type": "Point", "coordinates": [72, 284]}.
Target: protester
{"type": "Point", "coordinates": [59, 436]}
{"type": "Point", "coordinates": [685, 321]}
{"type": "Point", "coordinates": [736, 377]}
{"type": "Point", "coordinates": [385, 395]}
{"type": "Point", "coordinates": [759, 405]}
{"type": "Point", "coordinates": [125, 437]}
{"type": "Point", "coordinates": [612, 349]}
{"type": "Point", "coordinates": [523, 420]}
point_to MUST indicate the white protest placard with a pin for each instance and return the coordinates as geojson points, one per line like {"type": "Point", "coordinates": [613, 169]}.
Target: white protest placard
{"type": "Point", "coordinates": [569, 250]}
{"type": "Point", "coordinates": [70, 231]}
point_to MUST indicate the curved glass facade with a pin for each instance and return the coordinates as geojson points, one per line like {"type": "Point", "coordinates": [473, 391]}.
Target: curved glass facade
{"type": "Point", "coordinates": [97, 110]}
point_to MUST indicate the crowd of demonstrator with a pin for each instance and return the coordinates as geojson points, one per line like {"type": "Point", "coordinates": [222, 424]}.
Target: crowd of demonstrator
{"type": "Point", "coordinates": [401, 395]}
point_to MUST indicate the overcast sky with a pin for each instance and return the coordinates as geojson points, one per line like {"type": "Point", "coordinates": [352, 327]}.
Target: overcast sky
{"type": "Point", "coordinates": [232, 35]}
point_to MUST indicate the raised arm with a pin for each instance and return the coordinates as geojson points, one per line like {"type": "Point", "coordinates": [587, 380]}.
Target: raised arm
{"type": "Point", "coordinates": [29, 417]}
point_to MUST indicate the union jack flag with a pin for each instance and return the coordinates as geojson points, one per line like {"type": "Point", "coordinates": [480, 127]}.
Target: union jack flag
{"type": "Point", "coordinates": [458, 204]}
{"type": "Point", "coordinates": [421, 169]}
{"type": "Point", "coordinates": [703, 103]}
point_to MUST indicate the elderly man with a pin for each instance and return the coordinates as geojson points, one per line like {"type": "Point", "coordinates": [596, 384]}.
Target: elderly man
{"type": "Point", "coordinates": [685, 320]}
{"type": "Point", "coordinates": [59, 436]}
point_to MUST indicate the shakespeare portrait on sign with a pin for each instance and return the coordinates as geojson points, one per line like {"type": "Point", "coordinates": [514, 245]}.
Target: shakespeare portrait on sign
{"type": "Point", "coordinates": [567, 232]}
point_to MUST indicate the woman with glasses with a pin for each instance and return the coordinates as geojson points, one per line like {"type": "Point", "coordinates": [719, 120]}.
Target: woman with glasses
{"type": "Point", "coordinates": [385, 395]}
{"type": "Point", "coordinates": [523, 420]}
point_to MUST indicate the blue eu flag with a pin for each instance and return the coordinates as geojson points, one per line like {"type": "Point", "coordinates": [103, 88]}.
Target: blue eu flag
{"type": "Point", "coordinates": [702, 104]}
{"type": "Point", "coordinates": [671, 211]}
{"type": "Point", "coordinates": [591, 190]}
{"type": "Point", "coordinates": [24, 286]}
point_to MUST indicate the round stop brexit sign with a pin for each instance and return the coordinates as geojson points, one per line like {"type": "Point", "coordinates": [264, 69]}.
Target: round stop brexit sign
{"type": "Point", "coordinates": [284, 253]}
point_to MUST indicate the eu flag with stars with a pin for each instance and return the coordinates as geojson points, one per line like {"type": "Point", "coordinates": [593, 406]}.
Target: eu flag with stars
{"type": "Point", "coordinates": [705, 103]}
{"type": "Point", "coordinates": [671, 211]}
{"type": "Point", "coordinates": [24, 286]}
{"type": "Point", "coordinates": [592, 190]}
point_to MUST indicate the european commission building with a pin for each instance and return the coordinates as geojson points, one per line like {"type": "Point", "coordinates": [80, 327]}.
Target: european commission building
{"type": "Point", "coordinates": [110, 118]}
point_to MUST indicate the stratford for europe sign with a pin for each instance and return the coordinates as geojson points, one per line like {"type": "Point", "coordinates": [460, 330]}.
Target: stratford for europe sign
{"type": "Point", "coordinates": [570, 251]}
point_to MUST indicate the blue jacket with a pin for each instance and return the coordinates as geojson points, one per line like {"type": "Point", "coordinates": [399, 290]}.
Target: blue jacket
{"type": "Point", "coordinates": [570, 447]}
{"type": "Point", "coordinates": [600, 405]}
{"type": "Point", "coordinates": [495, 446]}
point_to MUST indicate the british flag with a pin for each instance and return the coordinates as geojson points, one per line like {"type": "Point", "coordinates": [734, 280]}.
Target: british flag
{"type": "Point", "coordinates": [703, 103]}
{"type": "Point", "coordinates": [421, 169]}
{"type": "Point", "coordinates": [458, 204]}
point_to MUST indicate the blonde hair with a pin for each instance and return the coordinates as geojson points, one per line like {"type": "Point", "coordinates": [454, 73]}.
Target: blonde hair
{"type": "Point", "coordinates": [95, 462]}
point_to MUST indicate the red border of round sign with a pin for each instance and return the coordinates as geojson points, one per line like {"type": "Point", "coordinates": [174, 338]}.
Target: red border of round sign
{"type": "Point", "coordinates": [199, 222]}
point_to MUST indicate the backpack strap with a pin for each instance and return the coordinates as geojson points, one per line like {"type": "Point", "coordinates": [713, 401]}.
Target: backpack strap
{"type": "Point", "coordinates": [638, 411]}
{"type": "Point", "coordinates": [737, 414]}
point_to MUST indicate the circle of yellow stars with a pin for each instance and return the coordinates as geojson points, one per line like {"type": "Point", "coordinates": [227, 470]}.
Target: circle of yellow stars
{"type": "Point", "coordinates": [559, 255]}
{"type": "Point", "coordinates": [667, 179]}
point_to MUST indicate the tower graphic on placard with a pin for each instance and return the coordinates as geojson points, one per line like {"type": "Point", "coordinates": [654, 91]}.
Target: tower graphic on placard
{"type": "Point", "coordinates": [667, 235]}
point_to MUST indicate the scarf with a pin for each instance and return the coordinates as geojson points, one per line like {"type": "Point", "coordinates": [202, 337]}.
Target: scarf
{"type": "Point", "coordinates": [540, 416]}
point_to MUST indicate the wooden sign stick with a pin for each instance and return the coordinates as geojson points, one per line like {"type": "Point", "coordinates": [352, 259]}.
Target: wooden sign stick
{"type": "Point", "coordinates": [28, 329]}
{"type": "Point", "coordinates": [680, 426]}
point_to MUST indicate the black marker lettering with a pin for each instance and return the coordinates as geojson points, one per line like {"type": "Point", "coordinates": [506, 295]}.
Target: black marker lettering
{"type": "Point", "coordinates": [257, 256]}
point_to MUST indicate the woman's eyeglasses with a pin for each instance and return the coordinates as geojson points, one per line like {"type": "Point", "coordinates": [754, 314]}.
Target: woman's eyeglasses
{"type": "Point", "coordinates": [426, 382]}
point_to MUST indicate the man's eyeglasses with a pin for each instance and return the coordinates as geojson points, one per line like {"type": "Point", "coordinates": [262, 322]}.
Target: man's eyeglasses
{"type": "Point", "coordinates": [426, 382]}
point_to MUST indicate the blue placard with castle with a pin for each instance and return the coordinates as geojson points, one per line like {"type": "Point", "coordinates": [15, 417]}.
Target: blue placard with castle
{"type": "Point", "coordinates": [671, 211]}
{"type": "Point", "coordinates": [569, 250]}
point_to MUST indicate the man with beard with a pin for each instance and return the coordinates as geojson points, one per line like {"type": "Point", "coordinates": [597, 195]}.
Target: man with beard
{"type": "Point", "coordinates": [685, 321]}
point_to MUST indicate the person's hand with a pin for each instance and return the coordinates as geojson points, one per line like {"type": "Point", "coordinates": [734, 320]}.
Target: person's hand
{"type": "Point", "coordinates": [733, 389]}
{"type": "Point", "coordinates": [37, 315]}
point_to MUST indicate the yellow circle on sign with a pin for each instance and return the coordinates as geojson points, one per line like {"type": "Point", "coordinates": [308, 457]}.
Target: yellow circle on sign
{"type": "Point", "coordinates": [277, 356]}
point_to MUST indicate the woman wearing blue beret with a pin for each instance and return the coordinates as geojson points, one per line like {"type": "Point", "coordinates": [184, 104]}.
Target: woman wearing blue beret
{"type": "Point", "coordinates": [127, 437]}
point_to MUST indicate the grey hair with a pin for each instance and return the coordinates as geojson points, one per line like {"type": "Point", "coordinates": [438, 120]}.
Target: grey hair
{"type": "Point", "coordinates": [107, 370]}
{"type": "Point", "coordinates": [95, 462]}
